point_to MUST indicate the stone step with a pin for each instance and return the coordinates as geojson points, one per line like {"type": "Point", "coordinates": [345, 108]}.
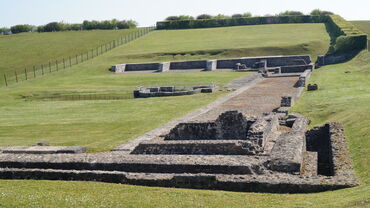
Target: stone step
{"type": "Point", "coordinates": [138, 163]}
{"type": "Point", "coordinates": [194, 147]}
{"type": "Point", "coordinates": [42, 149]}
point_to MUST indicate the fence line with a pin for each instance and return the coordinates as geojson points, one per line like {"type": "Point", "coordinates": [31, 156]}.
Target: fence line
{"type": "Point", "coordinates": [67, 62]}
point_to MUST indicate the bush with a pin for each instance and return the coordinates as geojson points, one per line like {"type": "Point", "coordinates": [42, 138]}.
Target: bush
{"type": "Point", "coordinates": [53, 27]}
{"type": "Point", "coordinates": [204, 16]}
{"type": "Point", "coordinates": [126, 24]}
{"type": "Point", "coordinates": [172, 18]}
{"type": "Point", "coordinates": [4, 31]}
{"type": "Point", "coordinates": [247, 14]}
{"type": "Point", "coordinates": [290, 13]}
{"type": "Point", "coordinates": [237, 16]}
{"type": "Point", "coordinates": [21, 28]}
{"type": "Point", "coordinates": [318, 12]}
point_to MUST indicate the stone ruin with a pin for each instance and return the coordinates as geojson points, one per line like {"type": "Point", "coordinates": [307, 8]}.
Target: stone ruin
{"type": "Point", "coordinates": [235, 152]}
{"type": "Point", "coordinates": [165, 91]}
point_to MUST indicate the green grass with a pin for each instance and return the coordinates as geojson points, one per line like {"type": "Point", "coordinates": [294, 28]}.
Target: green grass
{"type": "Point", "coordinates": [104, 124]}
{"type": "Point", "coordinates": [99, 125]}
{"type": "Point", "coordinates": [363, 25]}
{"type": "Point", "coordinates": [27, 49]}
{"type": "Point", "coordinates": [226, 42]}
{"type": "Point", "coordinates": [342, 97]}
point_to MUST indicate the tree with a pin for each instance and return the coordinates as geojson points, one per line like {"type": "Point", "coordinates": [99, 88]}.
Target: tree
{"type": "Point", "coordinates": [126, 24]}
{"type": "Point", "coordinates": [221, 16]}
{"type": "Point", "coordinates": [290, 13]}
{"type": "Point", "coordinates": [41, 29]}
{"type": "Point", "coordinates": [172, 18]}
{"type": "Point", "coordinates": [247, 14]}
{"type": "Point", "coordinates": [237, 16]}
{"type": "Point", "coordinates": [21, 28]}
{"type": "Point", "coordinates": [204, 16]}
{"type": "Point", "coordinates": [185, 17]}
{"type": "Point", "coordinates": [319, 12]}
{"type": "Point", "coordinates": [53, 27]}
{"type": "Point", "coordinates": [4, 31]}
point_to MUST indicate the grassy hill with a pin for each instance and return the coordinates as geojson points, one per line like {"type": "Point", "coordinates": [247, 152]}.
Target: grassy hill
{"type": "Point", "coordinates": [27, 49]}
{"type": "Point", "coordinates": [363, 25]}
{"type": "Point", "coordinates": [226, 42]}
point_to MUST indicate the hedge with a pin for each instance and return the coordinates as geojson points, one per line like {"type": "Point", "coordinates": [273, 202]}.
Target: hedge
{"type": "Point", "coordinates": [206, 23]}
{"type": "Point", "coordinates": [345, 37]}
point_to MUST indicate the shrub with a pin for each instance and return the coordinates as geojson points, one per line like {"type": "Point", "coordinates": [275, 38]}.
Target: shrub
{"type": "Point", "coordinates": [53, 27]}
{"type": "Point", "coordinates": [237, 16]}
{"type": "Point", "coordinates": [172, 18]}
{"type": "Point", "coordinates": [247, 14]}
{"type": "Point", "coordinates": [290, 13]}
{"type": "Point", "coordinates": [4, 31]}
{"type": "Point", "coordinates": [126, 24]}
{"type": "Point", "coordinates": [204, 16]}
{"type": "Point", "coordinates": [318, 12]}
{"type": "Point", "coordinates": [21, 28]}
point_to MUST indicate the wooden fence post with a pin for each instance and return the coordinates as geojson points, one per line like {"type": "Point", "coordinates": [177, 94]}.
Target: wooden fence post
{"type": "Point", "coordinates": [16, 76]}
{"type": "Point", "coordinates": [64, 64]}
{"type": "Point", "coordinates": [42, 69]}
{"type": "Point", "coordinates": [76, 59]}
{"type": "Point", "coordinates": [70, 62]}
{"type": "Point", "coordinates": [56, 63]}
{"type": "Point", "coordinates": [25, 73]}
{"type": "Point", "coordinates": [6, 81]}
{"type": "Point", "coordinates": [82, 58]}
{"type": "Point", "coordinates": [34, 72]}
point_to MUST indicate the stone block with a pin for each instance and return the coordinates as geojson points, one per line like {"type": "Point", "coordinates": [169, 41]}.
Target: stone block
{"type": "Point", "coordinates": [287, 101]}
{"type": "Point", "coordinates": [119, 68]}
{"type": "Point", "coordinates": [164, 67]}
{"type": "Point", "coordinates": [312, 87]}
{"type": "Point", "coordinates": [211, 65]}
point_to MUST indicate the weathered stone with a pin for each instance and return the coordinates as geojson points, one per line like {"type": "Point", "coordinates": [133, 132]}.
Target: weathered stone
{"type": "Point", "coordinates": [211, 65]}
{"type": "Point", "coordinates": [312, 87]}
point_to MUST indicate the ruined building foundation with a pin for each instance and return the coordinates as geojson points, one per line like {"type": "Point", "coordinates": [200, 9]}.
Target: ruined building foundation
{"type": "Point", "coordinates": [245, 141]}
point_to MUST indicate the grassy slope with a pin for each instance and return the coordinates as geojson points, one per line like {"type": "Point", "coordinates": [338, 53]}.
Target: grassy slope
{"type": "Point", "coordinates": [363, 25]}
{"type": "Point", "coordinates": [342, 97]}
{"type": "Point", "coordinates": [28, 49]}
{"type": "Point", "coordinates": [225, 42]}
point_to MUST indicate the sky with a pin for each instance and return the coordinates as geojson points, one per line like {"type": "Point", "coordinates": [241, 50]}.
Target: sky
{"type": "Point", "coordinates": [148, 12]}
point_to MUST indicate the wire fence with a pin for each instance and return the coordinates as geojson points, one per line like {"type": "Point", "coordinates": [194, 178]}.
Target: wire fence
{"type": "Point", "coordinates": [35, 71]}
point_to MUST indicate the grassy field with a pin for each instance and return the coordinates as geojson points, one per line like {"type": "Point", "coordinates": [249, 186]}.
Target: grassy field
{"type": "Point", "coordinates": [343, 96]}
{"type": "Point", "coordinates": [363, 25]}
{"type": "Point", "coordinates": [98, 124]}
{"type": "Point", "coordinates": [27, 49]}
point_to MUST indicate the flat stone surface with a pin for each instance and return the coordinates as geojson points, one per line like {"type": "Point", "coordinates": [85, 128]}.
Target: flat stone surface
{"type": "Point", "coordinates": [42, 149]}
{"type": "Point", "coordinates": [263, 97]}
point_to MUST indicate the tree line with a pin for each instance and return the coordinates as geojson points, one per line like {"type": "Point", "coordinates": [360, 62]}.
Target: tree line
{"type": "Point", "coordinates": [60, 26]}
{"type": "Point", "coordinates": [315, 12]}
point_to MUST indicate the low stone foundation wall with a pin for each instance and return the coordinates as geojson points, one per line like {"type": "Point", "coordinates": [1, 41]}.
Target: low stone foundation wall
{"type": "Point", "coordinates": [211, 65]}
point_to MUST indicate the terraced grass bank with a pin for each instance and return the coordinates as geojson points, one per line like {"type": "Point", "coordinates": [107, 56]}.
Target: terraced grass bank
{"type": "Point", "coordinates": [226, 42]}
{"type": "Point", "coordinates": [363, 25]}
